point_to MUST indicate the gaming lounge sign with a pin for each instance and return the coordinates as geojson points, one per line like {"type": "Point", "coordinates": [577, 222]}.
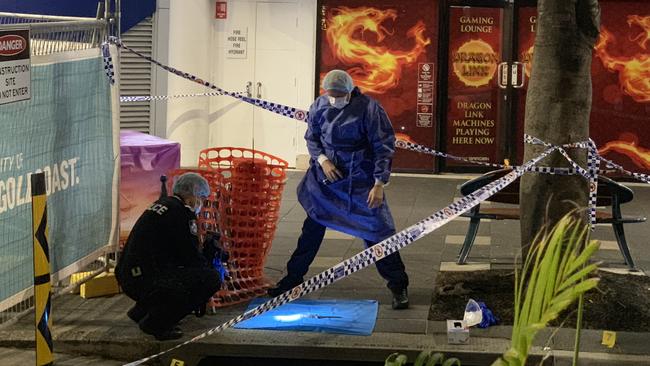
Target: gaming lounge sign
{"type": "Point", "coordinates": [15, 66]}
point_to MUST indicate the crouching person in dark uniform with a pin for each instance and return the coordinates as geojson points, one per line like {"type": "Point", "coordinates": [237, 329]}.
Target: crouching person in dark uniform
{"type": "Point", "coordinates": [162, 266]}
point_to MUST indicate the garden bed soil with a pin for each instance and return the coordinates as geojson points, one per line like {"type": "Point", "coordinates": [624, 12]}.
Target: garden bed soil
{"type": "Point", "coordinates": [619, 303]}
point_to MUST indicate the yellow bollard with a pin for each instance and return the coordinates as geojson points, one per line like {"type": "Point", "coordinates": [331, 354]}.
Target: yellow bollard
{"type": "Point", "coordinates": [42, 285]}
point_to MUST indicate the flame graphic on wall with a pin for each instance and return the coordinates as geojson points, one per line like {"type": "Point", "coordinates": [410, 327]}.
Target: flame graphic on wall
{"type": "Point", "coordinates": [640, 156]}
{"type": "Point", "coordinates": [374, 68]}
{"type": "Point", "coordinates": [404, 137]}
{"type": "Point", "coordinates": [644, 22]}
{"type": "Point", "coordinates": [633, 71]}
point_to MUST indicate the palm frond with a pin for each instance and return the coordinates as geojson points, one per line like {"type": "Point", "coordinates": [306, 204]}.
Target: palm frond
{"type": "Point", "coordinates": [554, 275]}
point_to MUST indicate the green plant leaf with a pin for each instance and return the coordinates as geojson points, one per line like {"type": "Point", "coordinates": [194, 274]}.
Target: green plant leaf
{"type": "Point", "coordinates": [500, 362]}
{"type": "Point", "coordinates": [573, 292]}
{"type": "Point", "coordinates": [552, 277]}
{"type": "Point", "coordinates": [422, 358]}
{"type": "Point", "coordinates": [510, 358]}
{"type": "Point", "coordinates": [578, 276]}
{"type": "Point", "coordinates": [396, 359]}
{"type": "Point", "coordinates": [587, 253]}
{"type": "Point", "coordinates": [452, 362]}
{"type": "Point", "coordinates": [436, 359]}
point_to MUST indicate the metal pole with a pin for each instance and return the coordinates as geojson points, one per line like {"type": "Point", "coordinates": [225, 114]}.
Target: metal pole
{"type": "Point", "coordinates": [118, 17]}
{"type": "Point", "coordinates": [42, 281]}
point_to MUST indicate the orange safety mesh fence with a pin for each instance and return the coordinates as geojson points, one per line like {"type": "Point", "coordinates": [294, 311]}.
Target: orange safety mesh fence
{"type": "Point", "coordinates": [244, 207]}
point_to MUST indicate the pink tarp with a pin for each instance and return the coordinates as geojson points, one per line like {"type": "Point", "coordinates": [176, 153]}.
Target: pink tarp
{"type": "Point", "coordinates": [144, 159]}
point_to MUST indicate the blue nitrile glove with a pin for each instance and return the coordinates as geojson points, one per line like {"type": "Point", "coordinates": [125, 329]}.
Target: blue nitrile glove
{"type": "Point", "coordinates": [221, 268]}
{"type": "Point", "coordinates": [489, 318]}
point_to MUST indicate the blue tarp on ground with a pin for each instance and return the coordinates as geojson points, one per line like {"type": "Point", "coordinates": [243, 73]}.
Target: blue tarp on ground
{"type": "Point", "coordinates": [133, 11]}
{"type": "Point", "coordinates": [353, 317]}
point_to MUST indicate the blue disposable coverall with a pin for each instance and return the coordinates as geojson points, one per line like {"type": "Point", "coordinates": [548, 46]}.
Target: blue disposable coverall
{"type": "Point", "coordinates": [359, 140]}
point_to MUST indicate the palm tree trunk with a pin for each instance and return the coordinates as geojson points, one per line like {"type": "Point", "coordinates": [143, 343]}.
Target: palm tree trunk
{"type": "Point", "coordinates": [558, 106]}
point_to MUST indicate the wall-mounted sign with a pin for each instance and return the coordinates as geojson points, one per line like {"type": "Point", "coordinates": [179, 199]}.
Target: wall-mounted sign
{"type": "Point", "coordinates": [15, 66]}
{"type": "Point", "coordinates": [236, 42]}
{"type": "Point", "coordinates": [222, 10]}
{"type": "Point", "coordinates": [473, 93]}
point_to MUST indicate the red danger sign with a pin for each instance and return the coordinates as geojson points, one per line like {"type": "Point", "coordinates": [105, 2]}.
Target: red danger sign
{"type": "Point", "coordinates": [12, 44]}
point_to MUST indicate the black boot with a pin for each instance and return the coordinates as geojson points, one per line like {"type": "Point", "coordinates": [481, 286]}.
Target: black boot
{"type": "Point", "coordinates": [283, 286]}
{"type": "Point", "coordinates": [400, 299]}
{"type": "Point", "coordinates": [165, 335]}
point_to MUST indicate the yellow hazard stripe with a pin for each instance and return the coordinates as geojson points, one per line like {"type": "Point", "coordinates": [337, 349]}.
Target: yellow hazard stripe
{"type": "Point", "coordinates": [42, 284]}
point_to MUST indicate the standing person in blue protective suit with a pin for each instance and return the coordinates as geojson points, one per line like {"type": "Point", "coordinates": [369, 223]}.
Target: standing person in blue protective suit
{"type": "Point", "coordinates": [351, 142]}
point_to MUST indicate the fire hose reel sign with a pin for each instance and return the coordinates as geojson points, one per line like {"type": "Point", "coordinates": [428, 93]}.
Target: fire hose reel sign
{"type": "Point", "coordinates": [237, 42]}
{"type": "Point", "coordinates": [15, 66]}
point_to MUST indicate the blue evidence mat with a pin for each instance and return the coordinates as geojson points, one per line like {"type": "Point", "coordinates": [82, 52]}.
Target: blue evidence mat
{"type": "Point", "coordinates": [354, 317]}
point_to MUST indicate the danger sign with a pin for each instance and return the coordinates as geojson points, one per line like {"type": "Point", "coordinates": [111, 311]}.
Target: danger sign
{"type": "Point", "coordinates": [15, 66]}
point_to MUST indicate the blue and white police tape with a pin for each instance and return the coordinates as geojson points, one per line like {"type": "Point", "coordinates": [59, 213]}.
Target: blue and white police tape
{"type": "Point", "coordinates": [108, 63]}
{"type": "Point", "coordinates": [286, 111]}
{"type": "Point", "coordinates": [593, 158]}
{"type": "Point", "coordinates": [147, 98]}
{"type": "Point", "coordinates": [406, 145]}
{"type": "Point", "coordinates": [301, 115]}
{"type": "Point", "coordinates": [371, 255]}
{"type": "Point", "coordinates": [591, 173]}
{"type": "Point", "coordinates": [612, 165]}
{"type": "Point", "coordinates": [415, 232]}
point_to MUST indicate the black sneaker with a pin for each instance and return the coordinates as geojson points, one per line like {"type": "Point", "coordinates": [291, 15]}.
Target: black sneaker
{"type": "Point", "coordinates": [400, 299]}
{"type": "Point", "coordinates": [283, 286]}
{"type": "Point", "coordinates": [136, 313]}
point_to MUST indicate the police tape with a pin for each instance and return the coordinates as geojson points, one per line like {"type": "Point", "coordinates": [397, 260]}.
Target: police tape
{"type": "Point", "coordinates": [593, 157]}
{"type": "Point", "coordinates": [591, 173]}
{"type": "Point", "coordinates": [301, 115]}
{"type": "Point", "coordinates": [370, 255]}
{"type": "Point", "coordinates": [286, 111]}
{"type": "Point", "coordinates": [147, 98]}
{"type": "Point", "coordinates": [414, 232]}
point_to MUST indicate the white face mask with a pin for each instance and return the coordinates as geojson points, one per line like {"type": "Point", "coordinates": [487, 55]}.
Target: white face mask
{"type": "Point", "coordinates": [339, 102]}
{"type": "Point", "coordinates": [197, 208]}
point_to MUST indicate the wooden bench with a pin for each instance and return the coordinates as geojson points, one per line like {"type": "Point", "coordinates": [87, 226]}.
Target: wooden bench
{"type": "Point", "coordinates": [610, 193]}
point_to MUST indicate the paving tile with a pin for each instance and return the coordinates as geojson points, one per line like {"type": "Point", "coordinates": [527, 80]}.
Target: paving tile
{"type": "Point", "coordinates": [404, 326]}
{"type": "Point", "coordinates": [608, 245]}
{"type": "Point", "coordinates": [460, 239]}
{"type": "Point", "coordinates": [334, 247]}
{"type": "Point", "coordinates": [326, 262]}
{"type": "Point", "coordinates": [333, 234]}
{"type": "Point", "coordinates": [417, 296]}
{"type": "Point", "coordinates": [416, 312]}
{"type": "Point", "coordinates": [468, 267]}
{"type": "Point", "coordinates": [295, 215]}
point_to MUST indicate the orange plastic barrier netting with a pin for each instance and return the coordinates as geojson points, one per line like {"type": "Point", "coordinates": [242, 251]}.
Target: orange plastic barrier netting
{"type": "Point", "coordinates": [247, 190]}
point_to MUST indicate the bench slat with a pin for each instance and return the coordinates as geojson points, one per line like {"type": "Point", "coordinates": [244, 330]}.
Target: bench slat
{"type": "Point", "coordinates": [513, 213]}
